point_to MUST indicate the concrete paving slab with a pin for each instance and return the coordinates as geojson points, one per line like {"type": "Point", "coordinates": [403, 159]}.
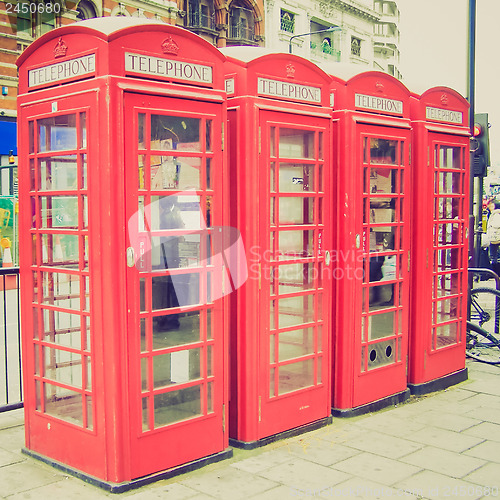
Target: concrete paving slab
{"type": "Point", "coordinates": [304, 475]}
{"type": "Point", "coordinates": [443, 462]}
{"type": "Point", "coordinates": [362, 489]}
{"type": "Point", "coordinates": [445, 439]}
{"type": "Point", "coordinates": [485, 414]}
{"type": "Point", "coordinates": [172, 491]}
{"type": "Point", "coordinates": [278, 493]}
{"type": "Point", "coordinates": [262, 461]}
{"type": "Point", "coordinates": [487, 400]}
{"type": "Point", "coordinates": [377, 468]}
{"type": "Point", "coordinates": [431, 485]}
{"type": "Point", "coordinates": [9, 458]}
{"type": "Point", "coordinates": [383, 444]}
{"type": "Point", "coordinates": [322, 452]}
{"type": "Point", "coordinates": [389, 422]}
{"type": "Point", "coordinates": [228, 482]}
{"type": "Point", "coordinates": [487, 450]}
{"type": "Point", "coordinates": [487, 476]}
{"type": "Point", "coordinates": [449, 421]}
{"type": "Point", "coordinates": [485, 430]}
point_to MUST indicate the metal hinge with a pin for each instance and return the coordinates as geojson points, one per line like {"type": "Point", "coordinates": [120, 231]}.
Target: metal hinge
{"type": "Point", "coordinates": [260, 408]}
{"type": "Point", "coordinates": [222, 136]}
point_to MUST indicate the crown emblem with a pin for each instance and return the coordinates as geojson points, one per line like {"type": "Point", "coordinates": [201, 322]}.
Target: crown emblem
{"type": "Point", "coordinates": [169, 46]}
{"type": "Point", "coordinates": [290, 70]}
{"type": "Point", "coordinates": [60, 49]}
{"type": "Point", "coordinates": [379, 87]}
{"type": "Point", "coordinates": [444, 100]}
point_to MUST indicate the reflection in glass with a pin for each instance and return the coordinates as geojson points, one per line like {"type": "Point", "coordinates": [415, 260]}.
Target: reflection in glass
{"type": "Point", "coordinates": [57, 133]}
{"type": "Point", "coordinates": [176, 367]}
{"type": "Point", "coordinates": [61, 250]}
{"type": "Point", "coordinates": [295, 244]}
{"type": "Point", "coordinates": [296, 343]}
{"type": "Point", "coordinates": [175, 133]}
{"type": "Point", "coordinates": [296, 210]}
{"type": "Point", "coordinates": [295, 143]}
{"type": "Point", "coordinates": [175, 330]}
{"type": "Point", "coordinates": [296, 311]}
{"type": "Point", "coordinates": [448, 183]}
{"type": "Point", "coordinates": [58, 173]}
{"type": "Point", "coordinates": [178, 290]}
{"type": "Point", "coordinates": [296, 178]}
{"type": "Point", "coordinates": [380, 325]}
{"type": "Point", "coordinates": [383, 180]}
{"type": "Point", "coordinates": [63, 403]}
{"type": "Point", "coordinates": [175, 172]}
{"type": "Point", "coordinates": [294, 376]}
{"type": "Point", "coordinates": [174, 252]}
{"type": "Point", "coordinates": [383, 151]}
{"type": "Point", "coordinates": [296, 277]}
{"type": "Point", "coordinates": [448, 208]}
{"type": "Point", "coordinates": [59, 211]}
{"type": "Point", "coordinates": [175, 212]}
{"type": "Point", "coordinates": [177, 405]}
{"type": "Point", "coordinates": [450, 157]}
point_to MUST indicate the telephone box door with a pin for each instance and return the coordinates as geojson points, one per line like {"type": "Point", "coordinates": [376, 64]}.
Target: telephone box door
{"type": "Point", "coordinates": [174, 201]}
{"type": "Point", "coordinates": [446, 346]}
{"type": "Point", "coordinates": [381, 349]}
{"type": "Point", "coordinates": [295, 236]}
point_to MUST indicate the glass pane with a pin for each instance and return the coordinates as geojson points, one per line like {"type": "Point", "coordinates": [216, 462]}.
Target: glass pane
{"type": "Point", "coordinates": [210, 397]}
{"type": "Point", "coordinates": [59, 211]}
{"type": "Point", "coordinates": [380, 325]}
{"type": "Point", "coordinates": [450, 157]}
{"type": "Point", "coordinates": [61, 290]}
{"type": "Point", "coordinates": [176, 329]}
{"type": "Point", "coordinates": [296, 210]}
{"type": "Point", "coordinates": [175, 212]}
{"type": "Point", "coordinates": [143, 334]}
{"type": "Point", "coordinates": [90, 413]}
{"type": "Point", "coordinates": [449, 233]}
{"type": "Point", "coordinates": [381, 296]}
{"type": "Point", "coordinates": [63, 403]}
{"type": "Point", "coordinates": [175, 132]}
{"type": "Point", "coordinates": [296, 343]}
{"type": "Point", "coordinates": [383, 180]}
{"type": "Point", "coordinates": [272, 141]}
{"type": "Point", "coordinates": [208, 135]}
{"type": "Point", "coordinates": [272, 178]}
{"type": "Point", "coordinates": [63, 366]}
{"type": "Point", "coordinates": [295, 311]}
{"type": "Point", "coordinates": [448, 208]}
{"type": "Point", "coordinates": [84, 171]}
{"type": "Point", "coordinates": [177, 405]}
{"type": "Point", "coordinates": [381, 354]}
{"type": "Point", "coordinates": [296, 178]}
{"type": "Point", "coordinates": [448, 259]}
{"type": "Point", "coordinates": [295, 376]}
{"type": "Point", "coordinates": [83, 130]}
{"type": "Point", "coordinates": [145, 414]}
{"type": "Point", "coordinates": [60, 250]}
{"type": "Point", "coordinates": [141, 131]}
{"type": "Point", "coordinates": [448, 182]}
{"type": "Point", "coordinates": [62, 328]}
{"type": "Point", "coordinates": [174, 252]}
{"type": "Point", "coordinates": [175, 291]}
{"type": "Point", "coordinates": [208, 163]}
{"type": "Point", "coordinates": [57, 133]}
{"type": "Point", "coordinates": [295, 244]}
{"type": "Point", "coordinates": [296, 277]}
{"type": "Point", "coordinates": [382, 212]}
{"type": "Point", "coordinates": [383, 151]}
{"type": "Point", "coordinates": [144, 373]}
{"type": "Point", "coordinates": [174, 172]}
{"type": "Point", "coordinates": [383, 239]}
{"type": "Point", "coordinates": [295, 143]}
{"type": "Point", "coordinates": [447, 310]}
{"type": "Point", "coordinates": [446, 335]}
{"type": "Point", "coordinates": [176, 367]}
{"type": "Point", "coordinates": [31, 136]}
{"type": "Point", "coordinates": [58, 173]}
{"type": "Point", "coordinates": [32, 175]}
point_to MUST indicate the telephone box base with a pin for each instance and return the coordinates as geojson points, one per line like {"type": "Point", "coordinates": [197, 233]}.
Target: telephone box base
{"type": "Point", "coordinates": [250, 445]}
{"type": "Point", "coordinates": [439, 384]}
{"type": "Point", "coordinates": [395, 399]}
{"type": "Point", "coordinates": [134, 483]}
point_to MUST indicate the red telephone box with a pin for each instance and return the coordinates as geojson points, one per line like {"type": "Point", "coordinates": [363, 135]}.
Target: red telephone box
{"type": "Point", "coordinates": [121, 189]}
{"type": "Point", "coordinates": [372, 135]}
{"type": "Point", "coordinates": [440, 240]}
{"type": "Point", "coordinates": [279, 142]}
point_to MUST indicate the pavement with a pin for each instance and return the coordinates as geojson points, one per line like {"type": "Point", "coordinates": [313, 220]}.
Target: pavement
{"type": "Point", "coordinates": [441, 445]}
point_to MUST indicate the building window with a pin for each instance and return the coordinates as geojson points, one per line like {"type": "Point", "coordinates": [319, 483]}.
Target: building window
{"type": "Point", "coordinates": [33, 21]}
{"type": "Point", "coordinates": [241, 23]}
{"type": "Point", "coordinates": [355, 46]}
{"type": "Point", "coordinates": [287, 21]}
{"type": "Point", "coordinates": [200, 15]}
{"type": "Point", "coordinates": [85, 10]}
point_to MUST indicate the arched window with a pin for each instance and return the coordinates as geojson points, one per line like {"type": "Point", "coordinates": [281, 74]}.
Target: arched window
{"type": "Point", "coordinates": [241, 22]}
{"type": "Point", "coordinates": [86, 10]}
{"type": "Point", "coordinates": [201, 14]}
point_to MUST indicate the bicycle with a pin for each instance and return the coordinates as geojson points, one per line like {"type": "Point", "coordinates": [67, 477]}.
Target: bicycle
{"type": "Point", "coordinates": [483, 338]}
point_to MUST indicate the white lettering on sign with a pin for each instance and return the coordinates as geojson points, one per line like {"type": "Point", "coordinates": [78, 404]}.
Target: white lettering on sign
{"type": "Point", "coordinates": [296, 91]}
{"type": "Point", "coordinates": [157, 66]}
{"type": "Point", "coordinates": [378, 103]}
{"type": "Point", "coordinates": [72, 68]}
{"type": "Point", "coordinates": [443, 115]}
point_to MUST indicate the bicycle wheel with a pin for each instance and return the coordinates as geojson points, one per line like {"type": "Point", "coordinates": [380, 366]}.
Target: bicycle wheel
{"type": "Point", "coordinates": [485, 308]}
{"type": "Point", "coordinates": [481, 345]}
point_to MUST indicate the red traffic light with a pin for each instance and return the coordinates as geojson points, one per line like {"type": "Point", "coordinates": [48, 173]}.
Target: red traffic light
{"type": "Point", "coordinates": [478, 130]}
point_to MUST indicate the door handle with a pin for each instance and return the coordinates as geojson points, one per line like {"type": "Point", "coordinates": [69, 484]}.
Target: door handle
{"type": "Point", "coordinates": [327, 258]}
{"type": "Point", "coordinates": [130, 257]}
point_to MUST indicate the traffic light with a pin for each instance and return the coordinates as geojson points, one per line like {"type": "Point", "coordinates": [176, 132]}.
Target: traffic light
{"type": "Point", "coordinates": [480, 145]}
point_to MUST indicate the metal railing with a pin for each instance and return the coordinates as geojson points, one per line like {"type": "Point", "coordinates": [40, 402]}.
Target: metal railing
{"type": "Point", "coordinates": [325, 51]}
{"type": "Point", "coordinates": [198, 20]}
{"type": "Point", "coordinates": [241, 32]}
{"type": "Point", "coordinates": [11, 388]}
